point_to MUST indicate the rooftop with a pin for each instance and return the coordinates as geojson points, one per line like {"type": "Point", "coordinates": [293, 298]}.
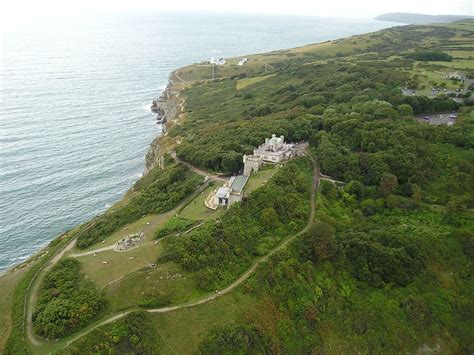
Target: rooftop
{"type": "Point", "coordinates": [223, 192]}
{"type": "Point", "coordinates": [239, 183]}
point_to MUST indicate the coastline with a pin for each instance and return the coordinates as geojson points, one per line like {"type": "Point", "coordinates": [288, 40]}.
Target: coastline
{"type": "Point", "coordinates": [168, 107]}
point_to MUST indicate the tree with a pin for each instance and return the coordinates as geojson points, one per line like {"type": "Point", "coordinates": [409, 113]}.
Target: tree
{"type": "Point", "coordinates": [322, 241]}
{"type": "Point", "coordinates": [405, 110]}
{"type": "Point", "coordinates": [269, 217]}
{"type": "Point", "coordinates": [388, 184]}
{"type": "Point", "coordinates": [416, 193]}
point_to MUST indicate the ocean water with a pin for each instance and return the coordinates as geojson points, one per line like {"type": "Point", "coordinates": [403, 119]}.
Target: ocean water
{"type": "Point", "coordinates": [75, 123]}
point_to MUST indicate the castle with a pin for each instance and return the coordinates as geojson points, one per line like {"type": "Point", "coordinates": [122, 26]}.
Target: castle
{"type": "Point", "coordinates": [274, 150]}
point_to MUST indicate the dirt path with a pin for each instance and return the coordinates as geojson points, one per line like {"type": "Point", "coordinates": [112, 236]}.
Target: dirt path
{"type": "Point", "coordinates": [30, 301]}
{"type": "Point", "coordinates": [179, 78]}
{"type": "Point", "coordinates": [31, 297]}
{"type": "Point", "coordinates": [90, 252]}
{"type": "Point", "coordinates": [197, 170]}
{"type": "Point", "coordinates": [236, 283]}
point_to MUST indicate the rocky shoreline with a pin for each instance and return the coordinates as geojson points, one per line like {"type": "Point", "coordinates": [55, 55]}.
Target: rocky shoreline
{"type": "Point", "coordinates": [167, 108]}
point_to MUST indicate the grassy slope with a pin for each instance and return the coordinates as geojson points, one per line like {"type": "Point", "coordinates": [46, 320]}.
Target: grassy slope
{"type": "Point", "coordinates": [8, 283]}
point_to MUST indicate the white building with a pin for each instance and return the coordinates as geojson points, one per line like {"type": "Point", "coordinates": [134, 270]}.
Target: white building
{"type": "Point", "coordinates": [220, 61]}
{"type": "Point", "coordinates": [274, 150]}
{"type": "Point", "coordinates": [243, 61]}
{"type": "Point", "coordinates": [231, 192]}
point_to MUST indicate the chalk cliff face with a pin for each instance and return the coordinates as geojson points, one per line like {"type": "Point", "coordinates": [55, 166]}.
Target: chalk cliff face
{"type": "Point", "coordinates": [168, 109]}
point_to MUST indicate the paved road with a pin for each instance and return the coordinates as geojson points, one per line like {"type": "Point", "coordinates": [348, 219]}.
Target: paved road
{"type": "Point", "coordinates": [236, 283]}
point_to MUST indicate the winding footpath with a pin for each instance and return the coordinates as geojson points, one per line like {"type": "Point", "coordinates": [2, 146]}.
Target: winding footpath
{"type": "Point", "coordinates": [68, 341]}
{"type": "Point", "coordinates": [198, 170]}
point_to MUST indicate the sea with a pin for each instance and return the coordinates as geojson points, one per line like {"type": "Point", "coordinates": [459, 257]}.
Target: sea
{"type": "Point", "coordinates": [75, 94]}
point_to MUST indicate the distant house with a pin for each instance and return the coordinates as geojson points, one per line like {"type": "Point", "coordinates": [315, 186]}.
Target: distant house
{"type": "Point", "coordinates": [457, 75]}
{"type": "Point", "coordinates": [243, 61]}
{"type": "Point", "coordinates": [220, 61]}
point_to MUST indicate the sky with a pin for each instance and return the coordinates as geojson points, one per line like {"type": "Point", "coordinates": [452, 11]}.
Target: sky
{"type": "Point", "coordinates": [16, 12]}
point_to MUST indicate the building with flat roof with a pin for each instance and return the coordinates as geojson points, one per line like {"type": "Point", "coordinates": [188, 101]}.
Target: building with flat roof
{"type": "Point", "coordinates": [231, 192]}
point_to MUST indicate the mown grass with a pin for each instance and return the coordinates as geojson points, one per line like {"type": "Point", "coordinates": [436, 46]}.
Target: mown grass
{"type": "Point", "coordinates": [260, 178]}
{"type": "Point", "coordinates": [179, 339]}
{"type": "Point", "coordinates": [8, 283]}
{"type": "Point", "coordinates": [165, 283]}
{"type": "Point", "coordinates": [118, 264]}
{"type": "Point", "coordinates": [243, 83]}
{"type": "Point", "coordinates": [197, 210]}
{"type": "Point", "coordinates": [147, 224]}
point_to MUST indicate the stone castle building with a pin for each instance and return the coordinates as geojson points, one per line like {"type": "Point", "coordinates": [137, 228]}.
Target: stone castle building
{"type": "Point", "coordinates": [251, 164]}
{"type": "Point", "coordinates": [274, 150]}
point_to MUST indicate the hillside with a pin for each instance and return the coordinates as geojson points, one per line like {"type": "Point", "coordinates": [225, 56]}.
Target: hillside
{"type": "Point", "coordinates": [420, 19]}
{"type": "Point", "coordinates": [363, 245]}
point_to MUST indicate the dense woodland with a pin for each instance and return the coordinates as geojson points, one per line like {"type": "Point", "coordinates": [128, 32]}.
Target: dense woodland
{"type": "Point", "coordinates": [219, 252]}
{"type": "Point", "coordinates": [371, 283]}
{"type": "Point", "coordinates": [388, 262]}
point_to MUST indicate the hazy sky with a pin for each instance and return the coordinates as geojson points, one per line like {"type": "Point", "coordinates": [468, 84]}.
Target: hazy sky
{"type": "Point", "coordinates": [24, 11]}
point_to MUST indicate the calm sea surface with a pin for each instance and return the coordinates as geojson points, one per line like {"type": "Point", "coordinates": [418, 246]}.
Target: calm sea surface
{"type": "Point", "coordinates": [74, 97]}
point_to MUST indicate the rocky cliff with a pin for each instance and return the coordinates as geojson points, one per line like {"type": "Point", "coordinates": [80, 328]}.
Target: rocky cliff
{"type": "Point", "coordinates": [168, 108]}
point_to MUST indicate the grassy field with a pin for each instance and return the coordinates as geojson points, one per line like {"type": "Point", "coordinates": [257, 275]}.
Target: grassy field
{"type": "Point", "coordinates": [148, 225]}
{"type": "Point", "coordinates": [8, 283]}
{"type": "Point", "coordinates": [118, 264]}
{"type": "Point", "coordinates": [196, 210]}
{"type": "Point", "coordinates": [260, 178]}
{"type": "Point", "coordinates": [243, 83]}
{"type": "Point", "coordinates": [432, 77]}
{"type": "Point", "coordinates": [457, 64]}
{"type": "Point", "coordinates": [181, 331]}
{"type": "Point", "coordinates": [166, 280]}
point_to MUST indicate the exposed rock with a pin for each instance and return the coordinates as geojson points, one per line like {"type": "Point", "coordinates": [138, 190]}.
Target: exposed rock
{"type": "Point", "coordinates": [167, 108]}
{"type": "Point", "coordinates": [152, 157]}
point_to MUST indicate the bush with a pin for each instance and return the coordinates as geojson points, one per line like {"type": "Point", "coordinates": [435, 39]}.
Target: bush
{"type": "Point", "coordinates": [235, 339]}
{"type": "Point", "coordinates": [66, 301]}
{"type": "Point", "coordinates": [434, 56]}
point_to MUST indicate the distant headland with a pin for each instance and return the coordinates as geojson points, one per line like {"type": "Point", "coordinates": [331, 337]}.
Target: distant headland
{"type": "Point", "coordinates": [420, 19]}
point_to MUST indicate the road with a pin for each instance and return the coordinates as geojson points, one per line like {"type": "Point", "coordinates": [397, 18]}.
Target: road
{"type": "Point", "coordinates": [236, 283]}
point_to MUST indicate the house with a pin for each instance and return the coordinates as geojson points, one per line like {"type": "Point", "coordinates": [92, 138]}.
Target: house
{"type": "Point", "coordinates": [456, 75]}
{"type": "Point", "coordinates": [231, 192]}
{"type": "Point", "coordinates": [274, 150]}
{"type": "Point", "coordinates": [220, 61]}
{"type": "Point", "coordinates": [243, 61]}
